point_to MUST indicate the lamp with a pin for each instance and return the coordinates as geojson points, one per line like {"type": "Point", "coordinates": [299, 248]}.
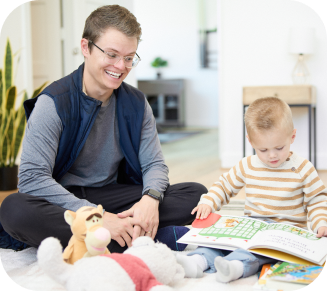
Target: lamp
{"type": "Point", "coordinates": [301, 42]}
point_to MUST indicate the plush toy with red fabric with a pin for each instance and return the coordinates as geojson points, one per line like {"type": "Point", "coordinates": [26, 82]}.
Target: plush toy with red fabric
{"type": "Point", "coordinates": [145, 266]}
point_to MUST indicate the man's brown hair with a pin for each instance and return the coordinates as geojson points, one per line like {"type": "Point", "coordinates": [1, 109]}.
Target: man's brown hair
{"type": "Point", "coordinates": [268, 113]}
{"type": "Point", "coordinates": [111, 16]}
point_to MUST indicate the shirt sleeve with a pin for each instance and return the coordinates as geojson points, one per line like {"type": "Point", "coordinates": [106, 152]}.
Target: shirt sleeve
{"type": "Point", "coordinates": [40, 146]}
{"type": "Point", "coordinates": [228, 185]}
{"type": "Point", "coordinates": [315, 199]}
{"type": "Point", "coordinates": [154, 169]}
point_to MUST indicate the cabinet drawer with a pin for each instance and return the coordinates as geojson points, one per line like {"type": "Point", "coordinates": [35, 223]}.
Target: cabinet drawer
{"type": "Point", "coordinates": [297, 94]}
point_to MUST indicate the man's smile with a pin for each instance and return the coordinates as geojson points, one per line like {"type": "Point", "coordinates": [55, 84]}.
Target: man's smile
{"type": "Point", "coordinates": [113, 74]}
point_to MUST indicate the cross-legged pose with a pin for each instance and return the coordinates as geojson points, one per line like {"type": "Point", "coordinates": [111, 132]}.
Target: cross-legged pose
{"type": "Point", "coordinates": [91, 139]}
{"type": "Point", "coordinates": [280, 186]}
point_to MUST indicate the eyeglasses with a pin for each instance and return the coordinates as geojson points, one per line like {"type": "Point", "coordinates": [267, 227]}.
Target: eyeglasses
{"type": "Point", "coordinates": [113, 59]}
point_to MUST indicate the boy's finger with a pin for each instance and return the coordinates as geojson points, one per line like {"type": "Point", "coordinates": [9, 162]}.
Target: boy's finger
{"type": "Point", "coordinates": [320, 233]}
{"type": "Point", "coordinates": [194, 209]}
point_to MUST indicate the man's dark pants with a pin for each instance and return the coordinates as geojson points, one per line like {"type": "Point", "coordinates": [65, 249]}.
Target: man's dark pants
{"type": "Point", "coordinates": [31, 219]}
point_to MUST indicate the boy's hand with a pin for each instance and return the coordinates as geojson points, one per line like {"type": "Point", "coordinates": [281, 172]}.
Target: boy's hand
{"type": "Point", "coordinates": [322, 231]}
{"type": "Point", "coordinates": [202, 211]}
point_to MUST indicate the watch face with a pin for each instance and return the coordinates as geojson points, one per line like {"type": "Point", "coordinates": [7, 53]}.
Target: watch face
{"type": "Point", "coordinates": [155, 194]}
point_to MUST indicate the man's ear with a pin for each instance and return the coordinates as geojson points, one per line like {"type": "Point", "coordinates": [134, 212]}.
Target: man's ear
{"type": "Point", "coordinates": [293, 135]}
{"type": "Point", "coordinates": [85, 47]}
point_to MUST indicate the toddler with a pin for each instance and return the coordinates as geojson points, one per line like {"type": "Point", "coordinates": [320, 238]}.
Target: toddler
{"type": "Point", "coordinates": [280, 186]}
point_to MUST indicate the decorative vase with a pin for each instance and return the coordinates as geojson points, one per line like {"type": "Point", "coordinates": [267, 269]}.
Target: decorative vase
{"type": "Point", "coordinates": [8, 178]}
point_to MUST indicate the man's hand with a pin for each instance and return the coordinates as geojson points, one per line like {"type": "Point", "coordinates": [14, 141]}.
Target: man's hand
{"type": "Point", "coordinates": [322, 231]}
{"type": "Point", "coordinates": [145, 215]}
{"type": "Point", "coordinates": [202, 211]}
{"type": "Point", "coordinates": [121, 230]}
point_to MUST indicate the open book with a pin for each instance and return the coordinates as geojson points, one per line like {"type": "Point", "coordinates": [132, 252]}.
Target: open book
{"type": "Point", "coordinates": [276, 240]}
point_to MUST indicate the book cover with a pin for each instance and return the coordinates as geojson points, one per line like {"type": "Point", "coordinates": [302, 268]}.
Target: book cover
{"type": "Point", "coordinates": [295, 273]}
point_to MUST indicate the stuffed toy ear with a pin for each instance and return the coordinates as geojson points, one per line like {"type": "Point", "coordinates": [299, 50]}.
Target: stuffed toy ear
{"type": "Point", "coordinates": [100, 208]}
{"type": "Point", "coordinates": [69, 216]}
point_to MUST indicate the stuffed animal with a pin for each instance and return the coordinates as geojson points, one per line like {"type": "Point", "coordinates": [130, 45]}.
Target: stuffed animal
{"type": "Point", "coordinates": [89, 237]}
{"type": "Point", "coordinates": [146, 266]}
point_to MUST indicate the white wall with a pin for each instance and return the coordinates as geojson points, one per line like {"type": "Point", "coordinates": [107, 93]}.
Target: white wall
{"type": "Point", "coordinates": [253, 48]}
{"type": "Point", "coordinates": [17, 27]}
{"type": "Point", "coordinates": [171, 30]}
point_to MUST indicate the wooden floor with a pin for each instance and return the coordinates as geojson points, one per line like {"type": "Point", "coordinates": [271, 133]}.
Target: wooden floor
{"type": "Point", "coordinates": [194, 159]}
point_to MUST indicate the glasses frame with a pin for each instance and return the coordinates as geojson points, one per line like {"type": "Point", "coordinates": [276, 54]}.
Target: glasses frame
{"type": "Point", "coordinates": [139, 59]}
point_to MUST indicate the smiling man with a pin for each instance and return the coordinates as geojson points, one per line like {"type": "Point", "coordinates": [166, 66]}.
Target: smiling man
{"type": "Point", "coordinates": [91, 139]}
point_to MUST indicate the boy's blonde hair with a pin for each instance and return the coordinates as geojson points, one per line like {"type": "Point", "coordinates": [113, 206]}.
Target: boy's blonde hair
{"type": "Point", "coordinates": [268, 113]}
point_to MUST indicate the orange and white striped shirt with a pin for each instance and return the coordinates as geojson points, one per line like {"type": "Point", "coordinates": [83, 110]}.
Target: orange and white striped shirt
{"type": "Point", "coordinates": [292, 193]}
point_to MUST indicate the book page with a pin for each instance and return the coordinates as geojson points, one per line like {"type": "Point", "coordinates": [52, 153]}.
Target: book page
{"type": "Point", "coordinates": [293, 240]}
{"type": "Point", "coordinates": [228, 231]}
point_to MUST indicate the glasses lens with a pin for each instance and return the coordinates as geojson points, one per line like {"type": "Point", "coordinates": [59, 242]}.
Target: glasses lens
{"type": "Point", "coordinates": [135, 61]}
{"type": "Point", "coordinates": [130, 62]}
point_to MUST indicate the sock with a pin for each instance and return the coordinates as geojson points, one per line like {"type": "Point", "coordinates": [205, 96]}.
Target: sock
{"type": "Point", "coordinates": [228, 270]}
{"type": "Point", "coordinates": [193, 265]}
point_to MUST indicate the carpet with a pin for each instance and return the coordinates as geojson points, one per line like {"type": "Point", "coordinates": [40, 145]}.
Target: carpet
{"type": "Point", "coordinates": [20, 269]}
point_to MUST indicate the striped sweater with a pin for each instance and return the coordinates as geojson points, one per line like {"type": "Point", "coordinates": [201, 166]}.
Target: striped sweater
{"type": "Point", "coordinates": [292, 193]}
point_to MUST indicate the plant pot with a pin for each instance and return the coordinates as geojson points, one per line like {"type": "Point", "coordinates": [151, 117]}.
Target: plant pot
{"type": "Point", "coordinates": [8, 178]}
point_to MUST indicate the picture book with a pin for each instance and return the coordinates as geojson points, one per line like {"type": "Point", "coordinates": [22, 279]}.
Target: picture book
{"type": "Point", "coordinates": [283, 242]}
{"type": "Point", "coordinates": [267, 284]}
{"type": "Point", "coordinates": [303, 274]}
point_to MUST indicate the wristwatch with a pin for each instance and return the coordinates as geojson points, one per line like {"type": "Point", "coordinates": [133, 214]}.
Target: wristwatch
{"type": "Point", "coordinates": [154, 194]}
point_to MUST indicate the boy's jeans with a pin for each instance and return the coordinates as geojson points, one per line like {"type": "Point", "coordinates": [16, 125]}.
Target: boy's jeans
{"type": "Point", "coordinates": [251, 262]}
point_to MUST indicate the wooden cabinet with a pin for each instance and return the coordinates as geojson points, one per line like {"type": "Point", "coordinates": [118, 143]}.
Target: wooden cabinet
{"type": "Point", "coordinates": [166, 98]}
{"type": "Point", "coordinates": [297, 94]}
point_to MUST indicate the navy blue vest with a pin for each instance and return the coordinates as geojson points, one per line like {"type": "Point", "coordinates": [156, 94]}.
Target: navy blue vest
{"type": "Point", "coordinates": [78, 112]}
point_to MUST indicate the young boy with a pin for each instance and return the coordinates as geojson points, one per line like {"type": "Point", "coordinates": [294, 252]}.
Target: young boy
{"type": "Point", "coordinates": [280, 187]}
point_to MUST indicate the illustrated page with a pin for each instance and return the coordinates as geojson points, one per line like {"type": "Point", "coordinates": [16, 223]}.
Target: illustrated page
{"type": "Point", "coordinates": [233, 231]}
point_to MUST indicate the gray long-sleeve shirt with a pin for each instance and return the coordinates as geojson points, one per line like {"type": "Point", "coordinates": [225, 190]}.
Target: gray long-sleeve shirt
{"type": "Point", "coordinates": [98, 161]}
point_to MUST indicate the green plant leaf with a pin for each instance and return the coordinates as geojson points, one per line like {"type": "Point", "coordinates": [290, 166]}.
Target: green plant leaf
{"type": "Point", "coordinates": [8, 67]}
{"type": "Point", "coordinates": [11, 135]}
{"type": "Point", "coordinates": [11, 97]}
{"type": "Point", "coordinates": [159, 62]}
{"type": "Point", "coordinates": [12, 122]}
{"type": "Point", "coordinates": [37, 91]}
{"type": "Point", "coordinates": [1, 89]}
{"type": "Point", "coordinates": [20, 129]}
{"type": "Point", "coordinates": [5, 142]}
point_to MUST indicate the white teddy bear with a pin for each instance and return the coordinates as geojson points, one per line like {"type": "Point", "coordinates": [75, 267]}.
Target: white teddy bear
{"type": "Point", "coordinates": [144, 266]}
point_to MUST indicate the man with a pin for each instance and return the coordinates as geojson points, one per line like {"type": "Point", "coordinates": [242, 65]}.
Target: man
{"type": "Point", "coordinates": [91, 139]}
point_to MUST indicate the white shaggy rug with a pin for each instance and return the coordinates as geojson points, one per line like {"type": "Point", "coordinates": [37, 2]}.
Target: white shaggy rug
{"type": "Point", "coordinates": [22, 268]}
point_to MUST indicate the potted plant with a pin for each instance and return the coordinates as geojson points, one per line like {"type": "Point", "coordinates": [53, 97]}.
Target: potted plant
{"type": "Point", "coordinates": [159, 63]}
{"type": "Point", "coordinates": [12, 122]}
